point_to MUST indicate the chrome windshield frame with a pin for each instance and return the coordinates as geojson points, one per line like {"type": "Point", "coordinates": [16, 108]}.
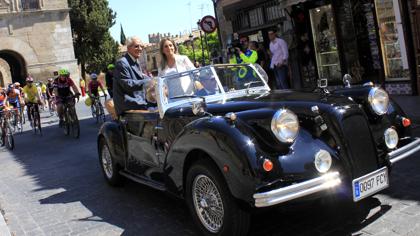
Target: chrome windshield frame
{"type": "Point", "coordinates": [219, 97]}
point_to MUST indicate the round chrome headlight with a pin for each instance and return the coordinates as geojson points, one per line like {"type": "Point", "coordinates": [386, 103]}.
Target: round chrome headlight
{"type": "Point", "coordinates": [378, 100]}
{"type": "Point", "coordinates": [285, 125]}
{"type": "Point", "coordinates": [391, 138]}
{"type": "Point", "coordinates": [323, 161]}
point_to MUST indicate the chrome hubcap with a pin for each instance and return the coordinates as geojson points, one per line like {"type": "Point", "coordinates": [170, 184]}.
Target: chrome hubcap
{"type": "Point", "coordinates": [208, 203]}
{"type": "Point", "coordinates": [107, 162]}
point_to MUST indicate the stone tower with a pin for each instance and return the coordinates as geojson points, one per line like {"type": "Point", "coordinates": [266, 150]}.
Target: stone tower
{"type": "Point", "coordinates": [35, 39]}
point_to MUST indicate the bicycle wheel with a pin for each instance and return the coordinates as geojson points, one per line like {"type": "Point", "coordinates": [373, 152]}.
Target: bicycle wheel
{"type": "Point", "coordinates": [22, 114]}
{"type": "Point", "coordinates": [67, 121]}
{"type": "Point", "coordinates": [33, 119]}
{"type": "Point", "coordinates": [38, 122]}
{"type": "Point", "coordinates": [20, 122]}
{"type": "Point", "coordinates": [75, 127]}
{"type": "Point", "coordinates": [102, 112]}
{"type": "Point", "coordinates": [10, 141]}
{"type": "Point", "coordinates": [92, 108]}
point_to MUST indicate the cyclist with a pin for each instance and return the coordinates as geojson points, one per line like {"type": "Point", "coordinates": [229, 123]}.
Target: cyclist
{"type": "Point", "coordinates": [50, 93]}
{"type": "Point", "coordinates": [32, 97]}
{"type": "Point", "coordinates": [93, 86]}
{"type": "Point", "coordinates": [62, 92]}
{"type": "Point", "coordinates": [3, 99]}
{"type": "Point", "coordinates": [13, 97]}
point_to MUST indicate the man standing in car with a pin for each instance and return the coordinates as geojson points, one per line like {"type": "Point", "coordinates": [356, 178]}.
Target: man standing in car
{"type": "Point", "coordinates": [129, 82]}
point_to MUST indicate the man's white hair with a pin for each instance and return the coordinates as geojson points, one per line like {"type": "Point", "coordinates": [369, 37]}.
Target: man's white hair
{"type": "Point", "coordinates": [130, 40]}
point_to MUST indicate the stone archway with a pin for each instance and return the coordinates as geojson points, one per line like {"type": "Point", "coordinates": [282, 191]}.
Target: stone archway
{"type": "Point", "coordinates": [12, 67]}
{"type": "Point", "coordinates": [5, 75]}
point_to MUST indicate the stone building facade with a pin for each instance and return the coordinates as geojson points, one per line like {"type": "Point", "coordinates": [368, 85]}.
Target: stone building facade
{"type": "Point", "coordinates": [35, 39]}
{"type": "Point", "coordinates": [372, 40]}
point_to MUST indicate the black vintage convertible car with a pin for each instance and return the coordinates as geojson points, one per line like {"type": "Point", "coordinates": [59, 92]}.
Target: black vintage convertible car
{"type": "Point", "coordinates": [227, 144]}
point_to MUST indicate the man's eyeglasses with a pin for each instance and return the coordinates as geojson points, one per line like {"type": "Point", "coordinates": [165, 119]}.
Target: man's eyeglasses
{"type": "Point", "coordinates": [137, 46]}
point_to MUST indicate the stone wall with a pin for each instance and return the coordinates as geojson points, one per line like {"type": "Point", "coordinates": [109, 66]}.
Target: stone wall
{"type": "Point", "coordinates": [43, 38]}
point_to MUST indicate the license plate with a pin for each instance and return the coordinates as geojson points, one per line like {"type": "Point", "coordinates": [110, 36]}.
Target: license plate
{"type": "Point", "coordinates": [369, 184]}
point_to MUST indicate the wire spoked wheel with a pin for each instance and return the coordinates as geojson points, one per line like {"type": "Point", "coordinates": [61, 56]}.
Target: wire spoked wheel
{"type": "Point", "coordinates": [211, 203]}
{"type": "Point", "coordinates": [208, 203]}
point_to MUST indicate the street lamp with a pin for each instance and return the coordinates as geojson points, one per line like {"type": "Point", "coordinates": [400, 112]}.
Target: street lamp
{"type": "Point", "coordinates": [192, 45]}
{"type": "Point", "coordinates": [202, 45]}
{"type": "Point", "coordinates": [219, 36]}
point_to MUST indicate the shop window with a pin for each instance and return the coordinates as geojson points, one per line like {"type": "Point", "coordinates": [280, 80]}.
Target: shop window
{"type": "Point", "coordinates": [30, 4]}
{"type": "Point", "coordinates": [391, 33]}
{"type": "Point", "coordinates": [256, 17]}
{"type": "Point", "coordinates": [325, 43]}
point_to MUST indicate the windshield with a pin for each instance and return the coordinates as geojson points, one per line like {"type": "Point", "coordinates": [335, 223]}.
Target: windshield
{"type": "Point", "coordinates": [211, 83]}
{"type": "Point", "coordinates": [238, 77]}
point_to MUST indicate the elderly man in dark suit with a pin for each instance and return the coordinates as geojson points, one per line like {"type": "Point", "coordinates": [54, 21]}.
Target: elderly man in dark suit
{"type": "Point", "coordinates": [129, 82]}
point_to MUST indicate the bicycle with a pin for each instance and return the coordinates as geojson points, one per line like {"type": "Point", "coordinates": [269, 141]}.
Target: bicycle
{"type": "Point", "coordinates": [36, 118]}
{"type": "Point", "coordinates": [6, 133]}
{"type": "Point", "coordinates": [16, 120]}
{"type": "Point", "coordinates": [97, 109]}
{"type": "Point", "coordinates": [71, 121]}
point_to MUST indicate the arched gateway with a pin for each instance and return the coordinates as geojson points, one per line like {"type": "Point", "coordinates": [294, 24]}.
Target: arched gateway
{"type": "Point", "coordinates": [12, 67]}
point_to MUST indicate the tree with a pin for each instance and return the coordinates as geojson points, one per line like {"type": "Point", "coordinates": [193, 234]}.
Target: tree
{"type": "Point", "coordinates": [213, 46]}
{"type": "Point", "coordinates": [90, 21]}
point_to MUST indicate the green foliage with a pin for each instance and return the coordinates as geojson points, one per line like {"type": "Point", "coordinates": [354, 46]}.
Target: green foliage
{"type": "Point", "coordinates": [90, 21]}
{"type": "Point", "coordinates": [213, 46]}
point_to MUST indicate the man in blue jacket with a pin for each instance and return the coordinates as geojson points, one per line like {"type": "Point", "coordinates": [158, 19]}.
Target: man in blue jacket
{"type": "Point", "coordinates": [130, 83]}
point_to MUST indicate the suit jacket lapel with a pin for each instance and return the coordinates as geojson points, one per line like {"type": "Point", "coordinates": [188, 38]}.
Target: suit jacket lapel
{"type": "Point", "coordinates": [134, 67]}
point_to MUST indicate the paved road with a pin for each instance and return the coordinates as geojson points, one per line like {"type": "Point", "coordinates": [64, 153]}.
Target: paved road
{"type": "Point", "coordinates": [52, 185]}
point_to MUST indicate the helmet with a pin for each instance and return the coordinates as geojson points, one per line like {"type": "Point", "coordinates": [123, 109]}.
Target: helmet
{"type": "Point", "coordinates": [17, 84]}
{"type": "Point", "coordinates": [111, 66]}
{"type": "Point", "coordinates": [63, 72]}
{"type": "Point", "coordinates": [29, 79]}
{"type": "Point", "coordinates": [93, 76]}
{"type": "Point", "coordinates": [50, 79]}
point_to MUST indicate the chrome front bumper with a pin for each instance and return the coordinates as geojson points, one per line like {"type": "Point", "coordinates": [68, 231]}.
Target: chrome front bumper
{"type": "Point", "coordinates": [407, 150]}
{"type": "Point", "coordinates": [295, 191]}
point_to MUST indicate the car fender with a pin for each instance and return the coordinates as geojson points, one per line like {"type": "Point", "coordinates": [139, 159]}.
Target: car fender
{"type": "Point", "coordinates": [113, 133]}
{"type": "Point", "coordinates": [228, 146]}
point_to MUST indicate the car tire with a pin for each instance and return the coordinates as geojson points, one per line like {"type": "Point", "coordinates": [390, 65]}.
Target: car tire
{"type": "Point", "coordinates": [108, 165]}
{"type": "Point", "coordinates": [234, 220]}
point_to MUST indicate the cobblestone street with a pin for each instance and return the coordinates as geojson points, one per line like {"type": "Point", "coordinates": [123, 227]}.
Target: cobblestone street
{"type": "Point", "coordinates": [52, 185]}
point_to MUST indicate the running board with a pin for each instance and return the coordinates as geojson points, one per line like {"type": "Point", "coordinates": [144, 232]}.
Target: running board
{"type": "Point", "coordinates": [141, 180]}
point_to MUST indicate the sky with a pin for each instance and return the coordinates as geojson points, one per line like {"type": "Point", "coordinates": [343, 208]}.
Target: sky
{"type": "Point", "coordinates": [143, 17]}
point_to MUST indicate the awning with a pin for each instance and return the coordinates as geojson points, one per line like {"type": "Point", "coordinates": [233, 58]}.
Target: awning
{"type": "Point", "coordinates": [288, 3]}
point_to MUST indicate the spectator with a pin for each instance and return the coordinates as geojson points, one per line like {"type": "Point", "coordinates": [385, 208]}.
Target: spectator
{"type": "Point", "coordinates": [109, 79]}
{"type": "Point", "coordinates": [280, 55]}
{"type": "Point", "coordinates": [83, 87]}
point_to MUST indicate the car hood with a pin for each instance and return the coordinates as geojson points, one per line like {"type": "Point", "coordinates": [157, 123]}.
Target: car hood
{"type": "Point", "coordinates": [297, 101]}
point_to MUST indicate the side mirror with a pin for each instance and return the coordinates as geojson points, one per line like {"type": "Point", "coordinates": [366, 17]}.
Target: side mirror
{"type": "Point", "coordinates": [347, 80]}
{"type": "Point", "coordinates": [199, 108]}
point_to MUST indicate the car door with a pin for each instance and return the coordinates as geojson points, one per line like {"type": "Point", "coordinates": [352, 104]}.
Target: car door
{"type": "Point", "coordinates": [143, 159]}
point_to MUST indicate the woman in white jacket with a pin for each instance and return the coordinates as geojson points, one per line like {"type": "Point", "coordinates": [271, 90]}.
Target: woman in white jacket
{"type": "Point", "coordinates": [172, 63]}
